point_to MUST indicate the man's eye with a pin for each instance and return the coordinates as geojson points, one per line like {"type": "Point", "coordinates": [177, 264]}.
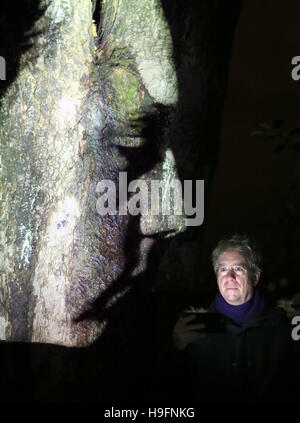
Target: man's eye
{"type": "Point", "coordinates": [238, 269]}
{"type": "Point", "coordinates": [223, 269]}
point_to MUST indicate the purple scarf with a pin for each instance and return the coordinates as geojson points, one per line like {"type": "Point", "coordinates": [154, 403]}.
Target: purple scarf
{"type": "Point", "coordinates": [241, 313]}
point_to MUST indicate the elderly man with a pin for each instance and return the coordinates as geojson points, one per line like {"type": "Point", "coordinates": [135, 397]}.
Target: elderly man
{"type": "Point", "coordinates": [254, 359]}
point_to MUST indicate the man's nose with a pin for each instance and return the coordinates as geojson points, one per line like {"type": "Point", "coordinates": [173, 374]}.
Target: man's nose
{"type": "Point", "coordinates": [231, 273]}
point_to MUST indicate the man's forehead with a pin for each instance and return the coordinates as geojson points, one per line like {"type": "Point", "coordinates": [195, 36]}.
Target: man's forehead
{"type": "Point", "coordinates": [232, 256]}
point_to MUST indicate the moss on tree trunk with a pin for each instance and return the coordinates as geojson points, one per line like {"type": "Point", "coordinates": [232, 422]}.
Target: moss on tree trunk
{"type": "Point", "coordinates": [146, 99]}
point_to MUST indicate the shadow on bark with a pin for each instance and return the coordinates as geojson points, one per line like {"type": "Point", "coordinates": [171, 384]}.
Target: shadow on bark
{"type": "Point", "coordinates": [139, 314]}
{"type": "Point", "coordinates": [16, 36]}
{"type": "Point", "coordinates": [141, 317]}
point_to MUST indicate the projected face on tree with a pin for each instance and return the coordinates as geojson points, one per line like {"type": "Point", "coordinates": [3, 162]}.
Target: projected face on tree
{"type": "Point", "coordinates": [77, 110]}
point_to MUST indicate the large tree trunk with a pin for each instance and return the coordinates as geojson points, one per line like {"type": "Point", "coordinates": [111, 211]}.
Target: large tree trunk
{"type": "Point", "coordinates": [46, 184]}
{"type": "Point", "coordinates": [146, 99]}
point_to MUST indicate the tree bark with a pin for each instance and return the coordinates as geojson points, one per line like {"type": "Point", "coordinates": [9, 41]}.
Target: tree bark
{"type": "Point", "coordinates": [146, 100]}
{"type": "Point", "coordinates": [47, 179]}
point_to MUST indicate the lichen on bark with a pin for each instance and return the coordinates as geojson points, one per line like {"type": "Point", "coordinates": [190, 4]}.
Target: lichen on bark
{"type": "Point", "coordinates": [43, 173]}
{"type": "Point", "coordinates": [57, 254]}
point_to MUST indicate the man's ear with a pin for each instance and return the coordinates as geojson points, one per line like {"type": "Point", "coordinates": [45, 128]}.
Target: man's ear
{"type": "Point", "coordinates": [256, 277]}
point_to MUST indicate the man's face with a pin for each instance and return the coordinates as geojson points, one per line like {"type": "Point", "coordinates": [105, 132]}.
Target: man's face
{"type": "Point", "coordinates": [233, 278]}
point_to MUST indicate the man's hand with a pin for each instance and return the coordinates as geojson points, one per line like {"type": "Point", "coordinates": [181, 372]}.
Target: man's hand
{"type": "Point", "coordinates": [184, 333]}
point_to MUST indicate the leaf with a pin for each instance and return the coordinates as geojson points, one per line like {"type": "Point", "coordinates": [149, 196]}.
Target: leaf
{"type": "Point", "coordinates": [264, 125]}
{"type": "Point", "coordinates": [256, 132]}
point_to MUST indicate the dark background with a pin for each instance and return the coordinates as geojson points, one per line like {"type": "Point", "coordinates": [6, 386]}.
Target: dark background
{"type": "Point", "coordinates": [253, 192]}
{"type": "Point", "coordinates": [253, 188]}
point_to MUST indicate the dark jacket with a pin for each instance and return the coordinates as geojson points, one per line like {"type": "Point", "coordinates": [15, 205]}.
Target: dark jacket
{"type": "Point", "coordinates": [256, 363]}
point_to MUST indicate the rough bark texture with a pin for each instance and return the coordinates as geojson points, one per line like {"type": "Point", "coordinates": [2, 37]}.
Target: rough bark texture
{"type": "Point", "coordinates": [46, 182]}
{"type": "Point", "coordinates": [148, 101]}
{"type": "Point", "coordinates": [170, 60]}
{"type": "Point", "coordinates": [58, 255]}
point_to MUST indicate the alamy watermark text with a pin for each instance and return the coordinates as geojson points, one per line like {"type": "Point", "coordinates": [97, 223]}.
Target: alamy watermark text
{"type": "Point", "coordinates": [161, 197]}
